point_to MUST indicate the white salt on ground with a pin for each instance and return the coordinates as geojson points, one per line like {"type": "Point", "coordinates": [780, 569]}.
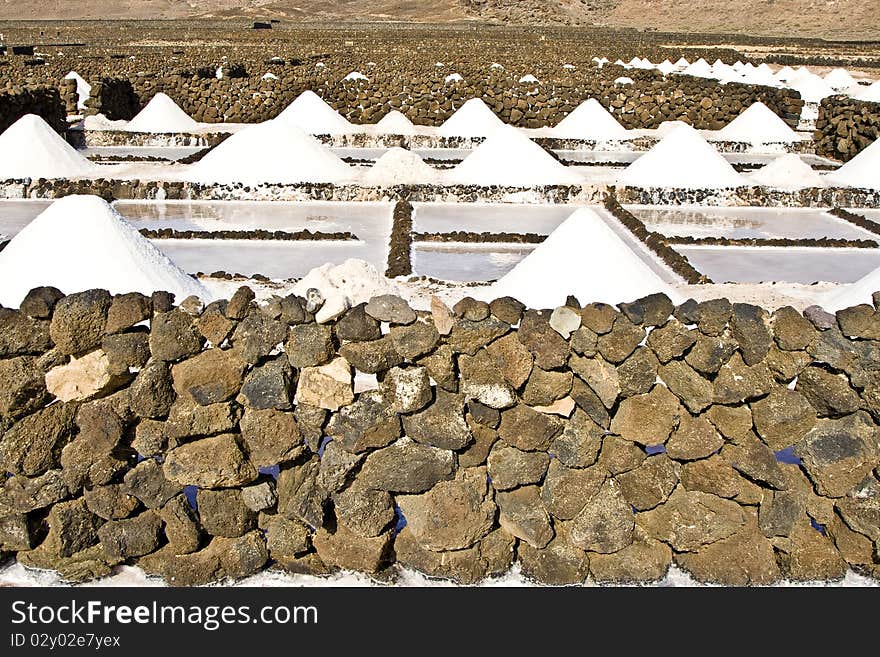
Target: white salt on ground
{"type": "Point", "coordinates": [270, 152]}
{"type": "Point", "coordinates": [758, 124]}
{"type": "Point", "coordinates": [311, 114]}
{"type": "Point", "coordinates": [344, 285]}
{"type": "Point", "coordinates": [682, 159]}
{"type": "Point", "coordinates": [861, 171]}
{"type": "Point", "coordinates": [81, 243]}
{"type": "Point", "coordinates": [83, 89]}
{"type": "Point", "coordinates": [395, 123]}
{"type": "Point", "coordinates": [853, 294]}
{"type": "Point", "coordinates": [473, 119]}
{"type": "Point", "coordinates": [162, 114]}
{"type": "Point", "coordinates": [590, 120]}
{"type": "Point", "coordinates": [29, 148]}
{"type": "Point", "coordinates": [583, 257]}
{"type": "Point", "coordinates": [508, 157]}
{"type": "Point", "coordinates": [398, 166]}
{"type": "Point", "coordinates": [788, 172]}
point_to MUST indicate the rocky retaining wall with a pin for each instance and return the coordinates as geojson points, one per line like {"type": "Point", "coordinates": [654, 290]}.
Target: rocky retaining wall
{"type": "Point", "coordinates": [846, 127]}
{"type": "Point", "coordinates": [647, 102]}
{"type": "Point", "coordinates": [42, 101]}
{"type": "Point", "coordinates": [596, 442]}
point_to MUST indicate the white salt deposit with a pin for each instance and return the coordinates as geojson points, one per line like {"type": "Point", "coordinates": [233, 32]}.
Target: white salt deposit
{"type": "Point", "coordinates": [269, 76]}
{"type": "Point", "coordinates": [666, 67]}
{"type": "Point", "coordinates": [529, 79]}
{"type": "Point", "coordinates": [162, 114]}
{"type": "Point", "coordinates": [83, 88]}
{"type": "Point", "coordinates": [699, 69]}
{"type": "Point", "coordinates": [508, 157]}
{"type": "Point", "coordinates": [80, 243]}
{"type": "Point", "coordinates": [496, 66]}
{"type": "Point", "coordinates": [682, 63]}
{"type": "Point", "coordinates": [758, 124]}
{"type": "Point", "coordinates": [583, 257]}
{"type": "Point", "coordinates": [862, 171]}
{"type": "Point", "coordinates": [870, 93]}
{"type": "Point", "coordinates": [395, 123]}
{"type": "Point", "coordinates": [270, 152]}
{"type": "Point", "coordinates": [399, 166]}
{"type": "Point", "coordinates": [811, 87]}
{"type": "Point", "coordinates": [788, 172]}
{"type": "Point", "coordinates": [473, 119]}
{"type": "Point", "coordinates": [785, 74]}
{"type": "Point", "coordinates": [453, 77]}
{"type": "Point", "coordinates": [31, 149]}
{"type": "Point", "coordinates": [355, 76]}
{"type": "Point", "coordinates": [311, 114]}
{"type": "Point", "coordinates": [569, 67]}
{"type": "Point", "coordinates": [681, 159]}
{"type": "Point", "coordinates": [853, 294]}
{"type": "Point", "coordinates": [623, 80]}
{"type": "Point", "coordinates": [348, 284]}
{"type": "Point", "coordinates": [590, 120]}
{"type": "Point", "coordinates": [840, 79]}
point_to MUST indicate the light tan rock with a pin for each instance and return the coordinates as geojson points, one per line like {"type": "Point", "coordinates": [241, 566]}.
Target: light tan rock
{"type": "Point", "coordinates": [329, 386]}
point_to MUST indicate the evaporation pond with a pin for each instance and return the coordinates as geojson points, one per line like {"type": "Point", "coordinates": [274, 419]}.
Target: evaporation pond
{"type": "Point", "coordinates": [746, 223]}
{"type": "Point", "coordinates": [15, 215]}
{"type": "Point", "coordinates": [460, 262]}
{"type": "Point", "coordinates": [488, 217]}
{"type": "Point", "coordinates": [746, 264]}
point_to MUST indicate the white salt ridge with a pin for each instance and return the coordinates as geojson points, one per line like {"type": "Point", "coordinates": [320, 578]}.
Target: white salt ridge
{"type": "Point", "coordinates": [395, 123]}
{"type": "Point", "coordinates": [758, 124]}
{"type": "Point", "coordinates": [473, 119]}
{"type": "Point", "coordinates": [83, 88]}
{"type": "Point", "coordinates": [81, 243]}
{"type": "Point", "coordinates": [583, 257]}
{"type": "Point", "coordinates": [508, 157]}
{"type": "Point", "coordinates": [788, 172]}
{"type": "Point", "coordinates": [870, 93]}
{"type": "Point", "coordinates": [311, 114]}
{"type": "Point", "coordinates": [270, 152]}
{"type": "Point", "coordinates": [162, 114]}
{"type": "Point", "coordinates": [31, 149]}
{"type": "Point", "coordinates": [398, 166]}
{"type": "Point", "coordinates": [862, 171]}
{"type": "Point", "coordinates": [682, 159]}
{"type": "Point", "coordinates": [590, 120]}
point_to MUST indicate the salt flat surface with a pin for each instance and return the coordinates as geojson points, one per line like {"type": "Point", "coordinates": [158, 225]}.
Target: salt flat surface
{"type": "Point", "coordinates": [275, 259]}
{"type": "Point", "coordinates": [15, 215]}
{"type": "Point", "coordinates": [460, 262]}
{"type": "Point", "coordinates": [492, 217]}
{"type": "Point", "coordinates": [744, 223]}
{"type": "Point", "coordinates": [806, 265]}
{"type": "Point", "coordinates": [869, 213]}
{"type": "Point", "coordinates": [370, 221]}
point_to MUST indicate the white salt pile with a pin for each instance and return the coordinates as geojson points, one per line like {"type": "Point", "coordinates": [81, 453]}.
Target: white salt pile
{"type": "Point", "coordinates": [529, 79]}
{"type": "Point", "coordinates": [31, 149]}
{"type": "Point", "coordinates": [699, 69]}
{"type": "Point", "coordinates": [270, 152]}
{"type": "Point", "coordinates": [344, 285]}
{"type": "Point", "coordinates": [473, 119]}
{"type": "Point", "coordinates": [785, 74]}
{"type": "Point", "coordinates": [682, 159]}
{"type": "Point", "coordinates": [847, 296]}
{"type": "Point", "coordinates": [496, 66]}
{"type": "Point", "coordinates": [162, 114]}
{"type": "Point", "coordinates": [311, 114]}
{"type": "Point", "coordinates": [623, 80]}
{"type": "Point", "coordinates": [758, 124]}
{"type": "Point", "coordinates": [788, 172]}
{"type": "Point", "coordinates": [83, 88]}
{"type": "Point", "coordinates": [398, 166]}
{"type": "Point", "coordinates": [666, 67]}
{"type": "Point", "coordinates": [395, 123]}
{"type": "Point", "coordinates": [269, 76]}
{"type": "Point", "coordinates": [840, 79]}
{"type": "Point", "coordinates": [80, 243]}
{"type": "Point", "coordinates": [870, 93]}
{"type": "Point", "coordinates": [355, 76]}
{"type": "Point", "coordinates": [811, 87]}
{"type": "Point", "coordinates": [583, 257]}
{"type": "Point", "coordinates": [508, 157]}
{"type": "Point", "coordinates": [862, 171]}
{"type": "Point", "coordinates": [590, 120]}
{"type": "Point", "coordinates": [682, 63]}
{"type": "Point", "coordinates": [453, 77]}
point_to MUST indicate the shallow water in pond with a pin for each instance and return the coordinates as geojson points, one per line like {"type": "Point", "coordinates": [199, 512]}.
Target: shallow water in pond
{"type": "Point", "coordinates": [489, 217]}
{"type": "Point", "coordinates": [455, 261]}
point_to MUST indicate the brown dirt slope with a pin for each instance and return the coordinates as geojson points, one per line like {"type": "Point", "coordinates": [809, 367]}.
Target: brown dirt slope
{"type": "Point", "coordinates": [838, 19]}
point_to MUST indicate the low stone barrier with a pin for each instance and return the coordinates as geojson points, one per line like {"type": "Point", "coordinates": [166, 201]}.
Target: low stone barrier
{"type": "Point", "coordinates": [846, 127]}
{"type": "Point", "coordinates": [45, 102]}
{"type": "Point", "coordinates": [205, 443]}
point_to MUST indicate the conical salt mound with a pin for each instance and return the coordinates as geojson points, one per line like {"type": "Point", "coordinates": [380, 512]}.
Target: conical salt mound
{"type": "Point", "coordinates": [583, 257]}
{"type": "Point", "coordinates": [270, 152]}
{"type": "Point", "coordinates": [853, 294]}
{"type": "Point", "coordinates": [839, 79]}
{"type": "Point", "coordinates": [313, 116]}
{"type": "Point", "coordinates": [473, 119]}
{"type": "Point", "coordinates": [788, 172]}
{"type": "Point", "coordinates": [870, 93]}
{"type": "Point", "coordinates": [162, 115]}
{"type": "Point", "coordinates": [758, 124]}
{"type": "Point", "coordinates": [682, 159]}
{"type": "Point", "coordinates": [395, 123]}
{"type": "Point", "coordinates": [29, 148]}
{"type": "Point", "coordinates": [861, 171]}
{"type": "Point", "coordinates": [590, 120]}
{"type": "Point", "coordinates": [81, 243]}
{"type": "Point", "coordinates": [508, 157]}
{"type": "Point", "coordinates": [399, 166]}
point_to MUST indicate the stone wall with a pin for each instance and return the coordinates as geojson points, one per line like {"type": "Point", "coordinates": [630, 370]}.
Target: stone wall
{"type": "Point", "coordinates": [646, 103]}
{"type": "Point", "coordinates": [846, 127]}
{"type": "Point", "coordinates": [46, 102]}
{"type": "Point", "coordinates": [583, 442]}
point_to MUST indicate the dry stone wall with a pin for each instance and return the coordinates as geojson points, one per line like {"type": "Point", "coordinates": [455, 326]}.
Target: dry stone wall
{"type": "Point", "coordinates": [203, 443]}
{"type": "Point", "coordinates": [846, 127]}
{"type": "Point", "coordinates": [46, 102]}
